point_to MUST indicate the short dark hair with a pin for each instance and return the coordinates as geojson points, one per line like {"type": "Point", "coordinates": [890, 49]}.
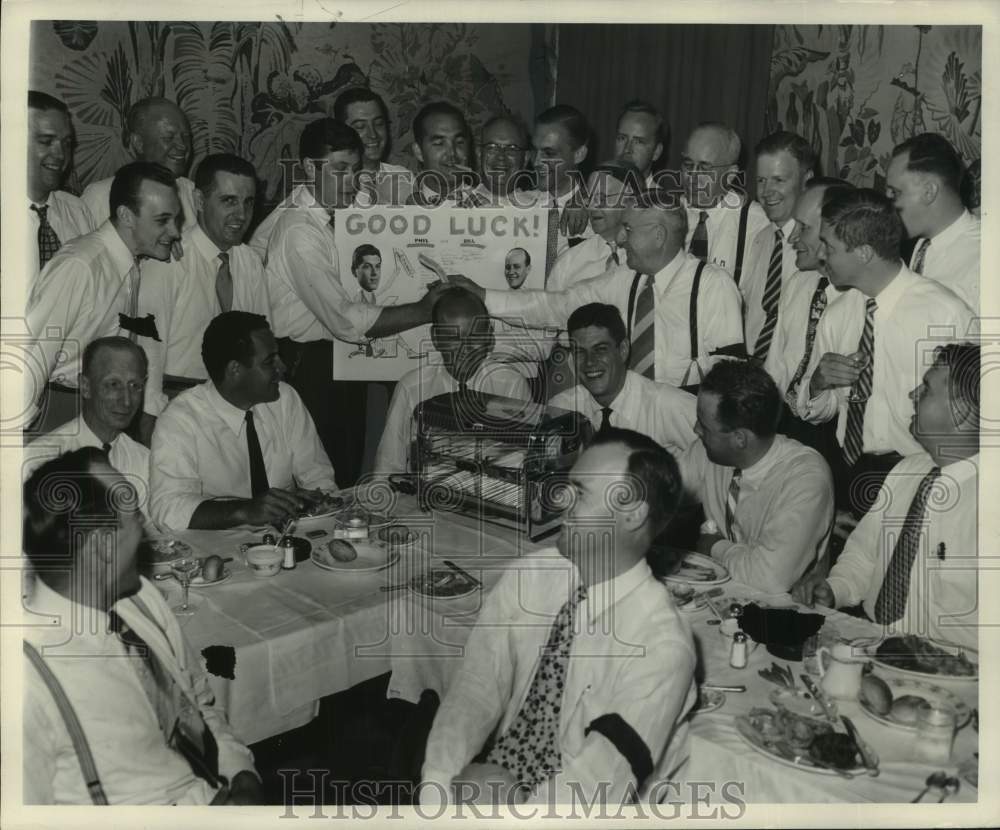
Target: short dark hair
{"type": "Point", "coordinates": [357, 95]}
{"type": "Point", "coordinates": [862, 216]}
{"type": "Point", "coordinates": [204, 177]}
{"type": "Point", "coordinates": [92, 349]}
{"type": "Point", "coordinates": [328, 135]}
{"type": "Point", "coordinates": [793, 144]}
{"type": "Point", "coordinates": [128, 181]}
{"type": "Point", "coordinates": [229, 337]}
{"type": "Point", "coordinates": [933, 153]}
{"type": "Point", "coordinates": [603, 315]}
{"type": "Point", "coordinates": [43, 101]}
{"type": "Point", "coordinates": [638, 105]}
{"type": "Point", "coordinates": [570, 119]}
{"type": "Point", "coordinates": [964, 363]}
{"type": "Point", "coordinates": [437, 108]}
{"type": "Point", "coordinates": [527, 256]}
{"type": "Point", "coordinates": [748, 397]}
{"type": "Point", "coordinates": [63, 497]}
{"type": "Point", "coordinates": [652, 468]}
{"type": "Point", "coordinates": [625, 172]}
{"type": "Point", "coordinates": [363, 250]}
{"type": "Point", "coordinates": [831, 185]}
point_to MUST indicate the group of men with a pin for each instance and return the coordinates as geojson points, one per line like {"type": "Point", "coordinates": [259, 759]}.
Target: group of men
{"type": "Point", "coordinates": [773, 361]}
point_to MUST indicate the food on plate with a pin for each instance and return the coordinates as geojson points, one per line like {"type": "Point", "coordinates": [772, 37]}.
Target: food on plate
{"type": "Point", "coordinates": [781, 724]}
{"type": "Point", "coordinates": [167, 551]}
{"type": "Point", "coordinates": [326, 503]}
{"type": "Point", "coordinates": [689, 570]}
{"type": "Point", "coordinates": [211, 568]}
{"type": "Point", "coordinates": [905, 709]}
{"type": "Point", "coordinates": [342, 551]}
{"type": "Point", "coordinates": [682, 594]}
{"type": "Point", "coordinates": [440, 583]}
{"type": "Point", "coordinates": [877, 694]}
{"type": "Point", "coordinates": [834, 749]}
{"type": "Point", "coordinates": [916, 654]}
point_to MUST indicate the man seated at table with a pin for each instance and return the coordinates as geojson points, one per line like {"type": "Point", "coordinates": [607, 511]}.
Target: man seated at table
{"type": "Point", "coordinates": [463, 337]}
{"type": "Point", "coordinates": [611, 394]}
{"type": "Point", "coordinates": [129, 676]}
{"type": "Point", "coordinates": [912, 560]}
{"type": "Point", "coordinates": [601, 708]}
{"type": "Point", "coordinates": [240, 448]}
{"type": "Point", "coordinates": [768, 499]}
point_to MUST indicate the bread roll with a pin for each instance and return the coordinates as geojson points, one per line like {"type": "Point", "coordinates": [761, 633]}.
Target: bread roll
{"type": "Point", "coordinates": [876, 692]}
{"type": "Point", "coordinates": [905, 708]}
{"type": "Point", "coordinates": [211, 568]}
{"type": "Point", "coordinates": [342, 551]}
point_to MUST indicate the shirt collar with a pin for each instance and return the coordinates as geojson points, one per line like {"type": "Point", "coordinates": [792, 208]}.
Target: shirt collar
{"type": "Point", "coordinates": [759, 470]}
{"type": "Point", "coordinates": [46, 203]}
{"type": "Point", "coordinates": [64, 612]}
{"type": "Point", "coordinates": [668, 271]}
{"type": "Point", "coordinates": [206, 246]}
{"type": "Point", "coordinates": [121, 256]}
{"type": "Point", "coordinates": [786, 230]}
{"type": "Point", "coordinates": [890, 295]}
{"type": "Point", "coordinates": [960, 470]}
{"type": "Point", "coordinates": [625, 392]}
{"type": "Point", "coordinates": [954, 230]}
{"type": "Point", "coordinates": [232, 416]}
{"type": "Point", "coordinates": [603, 595]}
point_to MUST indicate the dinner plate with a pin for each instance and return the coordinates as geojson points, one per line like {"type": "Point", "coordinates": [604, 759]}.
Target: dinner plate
{"type": "Point", "coordinates": [766, 746]}
{"type": "Point", "coordinates": [443, 583]}
{"type": "Point", "coordinates": [798, 702]}
{"type": "Point", "coordinates": [696, 569]}
{"type": "Point", "coordinates": [708, 701]}
{"type": "Point", "coordinates": [930, 692]}
{"type": "Point", "coordinates": [374, 520]}
{"type": "Point", "coordinates": [346, 500]}
{"type": "Point", "coordinates": [370, 558]}
{"type": "Point", "coordinates": [199, 581]}
{"type": "Point", "coordinates": [951, 648]}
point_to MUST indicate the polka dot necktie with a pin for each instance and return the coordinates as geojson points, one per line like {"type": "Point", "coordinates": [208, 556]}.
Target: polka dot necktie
{"type": "Point", "coordinates": [529, 749]}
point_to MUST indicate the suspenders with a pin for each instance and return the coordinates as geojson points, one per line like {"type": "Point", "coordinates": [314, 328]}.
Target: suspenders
{"type": "Point", "coordinates": [741, 241]}
{"type": "Point", "coordinates": [692, 312]}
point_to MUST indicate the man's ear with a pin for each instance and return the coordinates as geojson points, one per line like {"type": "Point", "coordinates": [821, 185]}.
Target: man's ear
{"type": "Point", "coordinates": [806, 178]}
{"type": "Point", "coordinates": [866, 253]}
{"type": "Point", "coordinates": [83, 382]}
{"type": "Point", "coordinates": [579, 154]}
{"type": "Point", "coordinates": [637, 515]}
{"type": "Point", "coordinates": [658, 151]}
{"type": "Point", "coordinates": [418, 154]}
{"type": "Point", "coordinates": [134, 144]}
{"type": "Point", "coordinates": [125, 216]}
{"type": "Point", "coordinates": [623, 349]}
{"type": "Point", "coordinates": [742, 437]}
{"type": "Point", "coordinates": [309, 168]}
{"type": "Point", "coordinates": [234, 369]}
{"type": "Point", "coordinates": [929, 191]}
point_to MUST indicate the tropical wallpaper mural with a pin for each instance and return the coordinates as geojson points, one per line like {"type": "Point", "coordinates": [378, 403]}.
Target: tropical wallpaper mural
{"type": "Point", "coordinates": [250, 88]}
{"type": "Point", "coordinates": [856, 91]}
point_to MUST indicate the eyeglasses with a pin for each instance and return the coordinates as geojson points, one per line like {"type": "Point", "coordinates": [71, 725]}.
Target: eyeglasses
{"type": "Point", "coordinates": [492, 149]}
{"type": "Point", "coordinates": [693, 166]}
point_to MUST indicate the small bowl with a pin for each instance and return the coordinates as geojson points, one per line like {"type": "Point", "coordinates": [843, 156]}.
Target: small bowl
{"type": "Point", "coordinates": [264, 560]}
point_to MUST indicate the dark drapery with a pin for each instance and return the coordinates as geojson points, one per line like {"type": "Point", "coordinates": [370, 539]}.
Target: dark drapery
{"type": "Point", "coordinates": [691, 72]}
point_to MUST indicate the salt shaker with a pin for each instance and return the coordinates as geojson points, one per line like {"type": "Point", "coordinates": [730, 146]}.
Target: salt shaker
{"type": "Point", "coordinates": [289, 548]}
{"type": "Point", "coordinates": [738, 652]}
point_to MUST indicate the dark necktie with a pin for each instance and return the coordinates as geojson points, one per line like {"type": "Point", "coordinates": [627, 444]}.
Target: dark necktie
{"type": "Point", "coordinates": [732, 500]}
{"type": "Point", "coordinates": [613, 260]}
{"type": "Point", "coordinates": [258, 473]}
{"type": "Point", "coordinates": [552, 241]}
{"type": "Point", "coordinates": [854, 433]}
{"type": "Point", "coordinates": [106, 447]}
{"type": "Point", "coordinates": [918, 259]}
{"type": "Point", "coordinates": [529, 748]}
{"type": "Point", "coordinates": [224, 283]}
{"type": "Point", "coordinates": [769, 303]}
{"type": "Point", "coordinates": [48, 241]}
{"type": "Point", "coordinates": [642, 356]}
{"type": "Point", "coordinates": [699, 241]}
{"type": "Point", "coordinates": [605, 417]}
{"type": "Point", "coordinates": [892, 597]}
{"type": "Point", "coordinates": [816, 308]}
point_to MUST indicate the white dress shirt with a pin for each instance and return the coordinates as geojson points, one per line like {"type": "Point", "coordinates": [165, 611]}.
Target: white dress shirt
{"type": "Point", "coordinates": [634, 658]}
{"type": "Point", "coordinates": [783, 515]}
{"type": "Point", "coordinates": [789, 344]}
{"type": "Point", "coordinates": [913, 315]}
{"type": "Point", "coordinates": [69, 218]}
{"type": "Point", "coordinates": [952, 258]}
{"type": "Point", "coordinates": [720, 323]}
{"type": "Point", "coordinates": [200, 451]}
{"type": "Point", "coordinates": [723, 225]}
{"type": "Point", "coordinates": [393, 184]}
{"type": "Point", "coordinates": [664, 413]}
{"type": "Point", "coordinates": [97, 198]}
{"type": "Point", "coordinates": [182, 295]}
{"type": "Point", "coordinates": [100, 678]}
{"type": "Point", "coordinates": [584, 261]}
{"type": "Point", "coordinates": [429, 379]}
{"type": "Point", "coordinates": [942, 598]}
{"type": "Point", "coordinates": [754, 279]}
{"type": "Point", "coordinates": [77, 298]}
{"type": "Point", "coordinates": [302, 266]}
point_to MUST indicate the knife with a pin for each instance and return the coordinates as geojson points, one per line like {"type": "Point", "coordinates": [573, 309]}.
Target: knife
{"type": "Point", "coordinates": [868, 757]}
{"type": "Point", "coordinates": [822, 699]}
{"type": "Point", "coordinates": [448, 564]}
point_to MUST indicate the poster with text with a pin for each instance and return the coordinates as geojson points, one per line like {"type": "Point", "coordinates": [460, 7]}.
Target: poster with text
{"type": "Point", "coordinates": [388, 256]}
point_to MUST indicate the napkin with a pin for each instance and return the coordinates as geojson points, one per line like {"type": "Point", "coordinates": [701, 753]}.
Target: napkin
{"type": "Point", "coordinates": [783, 630]}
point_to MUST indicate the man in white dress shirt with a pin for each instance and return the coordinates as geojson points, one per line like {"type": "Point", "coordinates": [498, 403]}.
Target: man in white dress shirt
{"type": "Point", "coordinates": [589, 706]}
{"type": "Point", "coordinates": [90, 289]}
{"type": "Point", "coordinates": [872, 342]}
{"type": "Point", "coordinates": [924, 180]}
{"type": "Point", "coordinates": [156, 130]}
{"type": "Point", "coordinates": [722, 218]}
{"type": "Point", "coordinates": [768, 500]}
{"type": "Point", "coordinates": [562, 139]}
{"type": "Point", "coordinates": [503, 158]}
{"type": "Point", "coordinates": [785, 164]}
{"type": "Point", "coordinates": [54, 216]}
{"type": "Point", "coordinates": [217, 273]}
{"type": "Point", "coordinates": [641, 137]}
{"type": "Point", "coordinates": [611, 395]}
{"type": "Point", "coordinates": [463, 337]}
{"type": "Point", "coordinates": [117, 653]}
{"type": "Point", "coordinates": [240, 448]}
{"type": "Point", "coordinates": [442, 143]}
{"type": "Point", "coordinates": [912, 561]}
{"type": "Point", "coordinates": [365, 112]}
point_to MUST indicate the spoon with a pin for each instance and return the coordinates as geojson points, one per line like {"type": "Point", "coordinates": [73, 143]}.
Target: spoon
{"type": "Point", "coordinates": [951, 787]}
{"type": "Point", "coordinates": [936, 780]}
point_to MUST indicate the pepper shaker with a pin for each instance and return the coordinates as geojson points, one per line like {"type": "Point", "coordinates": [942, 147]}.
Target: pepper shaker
{"type": "Point", "coordinates": [738, 652]}
{"type": "Point", "coordinates": [289, 548]}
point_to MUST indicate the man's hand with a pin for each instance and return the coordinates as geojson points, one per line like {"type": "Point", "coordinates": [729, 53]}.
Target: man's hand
{"type": "Point", "coordinates": [485, 784]}
{"type": "Point", "coordinates": [813, 588]}
{"type": "Point", "coordinates": [573, 220]}
{"type": "Point", "coordinates": [462, 281]}
{"type": "Point", "coordinates": [144, 428]}
{"type": "Point", "coordinates": [243, 789]}
{"type": "Point", "coordinates": [833, 370]}
{"type": "Point", "coordinates": [706, 541]}
{"type": "Point", "coordinates": [843, 525]}
{"type": "Point", "coordinates": [275, 507]}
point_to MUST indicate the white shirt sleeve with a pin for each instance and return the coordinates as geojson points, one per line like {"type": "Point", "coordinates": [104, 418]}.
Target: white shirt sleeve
{"type": "Point", "coordinates": [175, 486]}
{"type": "Point", "coordinates": [392, 453]}
{"type": "Point", "coordinates": [826, 405]}
{"type": "Point", "coordinates": [851, 577]}
{"type": "Point", "coordinates": [720, 314]}
{"type": "Point", "coordinates": [310, 464]}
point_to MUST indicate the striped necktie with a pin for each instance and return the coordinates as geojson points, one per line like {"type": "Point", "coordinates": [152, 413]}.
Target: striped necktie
{"type": "Point", "coordinates": [224, 283]}
{"type": "Point", "coordinates": [816, 308]}
{"type": "Point", "coordinates": [134, 281]}
{"type": "Point", "coordinates": [732, 500]}
{"type": "Point", "coordinates": [920, 255]}
{"type": "Point", "coordinates": [552, 240]}
{"type": "Point", "coordinates": [896, 585]}
{"type": "Point", "coordinates": [48, 240]}
{"type": "Point", "coordinates": [699, 240]}
{"type": "Point", "coordinates": [855, 431]}
{"type": "Point", "coordinates": [769, 303]}
{"type": "Point", "coordinates": [642, 357]}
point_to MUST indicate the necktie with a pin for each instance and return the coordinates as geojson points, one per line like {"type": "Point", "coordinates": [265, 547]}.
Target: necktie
{"type": "Point", "coordinates": [855, 430]}
{"type": "Point", "coordinates": [769, 303]}
{"type": "Point", "coordinates": [699, 241]}
{"type": "Point", "coordinates": [918, 258]}
{"type": "Point", "coordinates": [816, 309]}
{"type": "Point", "coordinates": [48, 241]}
{"type": "Point", "coordinates": [224, 283]}
{"type": "Point", "coordinates": [552, 242]}
{"type": "Point", "coordinates": [612, 261]}
{"type": "Point", "coordinates": [152, 676]}
{"type": "Point", "coordinates": [892, 596]}
{"type": "Point", "coordinates": [605, 417]}
{"type": "Point", "coordinates": [134, 281]}
{"type": "Point", "coordinates": [530, 747]}
{"type": "Point", "coordinates": [258, 473]}
{"type": "Point", "coordinates": [643, 332]}
{"type": "Point", "coordinates": [106, 447]}
{"type": "Point", "coordinates": [733, 499]}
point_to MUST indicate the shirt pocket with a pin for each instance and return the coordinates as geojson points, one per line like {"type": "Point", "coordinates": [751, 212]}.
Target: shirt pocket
{"type": "Point", "coordinates": [582, 704]}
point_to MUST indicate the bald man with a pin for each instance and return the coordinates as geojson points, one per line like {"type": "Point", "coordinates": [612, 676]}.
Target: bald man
{"type": "Point", "coordinates": [463, 338]}
{"type": "Point", "coordinates": [503, 160]}
{"type": "Point", "coordinates": [156, 130]}
{"type": "Point", "coordinates": [722, 218]}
